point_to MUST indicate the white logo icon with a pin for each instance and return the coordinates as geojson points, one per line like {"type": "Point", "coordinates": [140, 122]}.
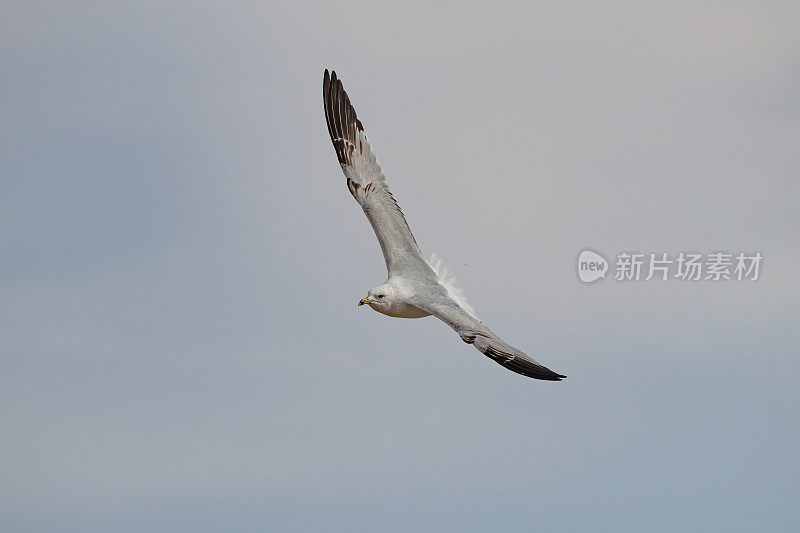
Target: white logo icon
{"type": "Point", "coordinates": [591, 266]}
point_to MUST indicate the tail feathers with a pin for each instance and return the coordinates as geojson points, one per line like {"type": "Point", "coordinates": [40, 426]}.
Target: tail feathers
{"type": "Point", "coordinates": [513, 359]}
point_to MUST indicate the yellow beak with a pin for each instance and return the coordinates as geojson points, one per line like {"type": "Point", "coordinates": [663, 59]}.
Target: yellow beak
{"type": "Point", "coordinates": [363, 301]}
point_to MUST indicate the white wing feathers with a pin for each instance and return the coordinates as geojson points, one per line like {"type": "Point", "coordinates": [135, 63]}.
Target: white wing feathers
{"type": "Point", "coordinates": [447, 279]}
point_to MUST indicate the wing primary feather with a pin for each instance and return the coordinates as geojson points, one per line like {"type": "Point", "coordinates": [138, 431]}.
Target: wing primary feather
{"type": "Point", "coordinates": [335, 117]}
{"type": "Point", "coordinates": [348, 118]}
{"type": "Point", "coordinates": [340, 114]}
{"type": "Point", "coordinates": [332, 106]}
{"type": "Point", "coordinates": [326, 98]}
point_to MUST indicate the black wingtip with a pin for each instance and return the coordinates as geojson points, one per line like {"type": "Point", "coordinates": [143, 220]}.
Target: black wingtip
{"type": "Point", "coordinates": [532, 370]}
{"type": "Point", "coordinates": [548, 377]}
{"type": "Point", "coordinates": [521, 364]}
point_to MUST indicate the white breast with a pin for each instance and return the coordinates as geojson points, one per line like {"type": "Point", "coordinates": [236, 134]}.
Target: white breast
{"type": "Point", "coordinates": [403, 310]}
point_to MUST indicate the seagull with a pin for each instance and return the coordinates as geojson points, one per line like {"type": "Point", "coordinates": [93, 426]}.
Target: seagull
{"type": "Point", "coordinates": [415, 287]}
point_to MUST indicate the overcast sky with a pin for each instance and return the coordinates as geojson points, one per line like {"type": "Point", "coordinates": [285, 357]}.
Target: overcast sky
{"type": "Point", "coordinates": [180, 261]}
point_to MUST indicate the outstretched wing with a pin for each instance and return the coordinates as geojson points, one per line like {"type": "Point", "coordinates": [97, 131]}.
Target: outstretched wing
{"type": "Point", "coordinates": [366, 181]}
{"type": "Point", "coordinates": [473, 331]}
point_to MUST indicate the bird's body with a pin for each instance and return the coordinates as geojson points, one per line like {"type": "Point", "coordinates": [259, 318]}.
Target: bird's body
{"type": "Point", "coordinates": [415, 287]}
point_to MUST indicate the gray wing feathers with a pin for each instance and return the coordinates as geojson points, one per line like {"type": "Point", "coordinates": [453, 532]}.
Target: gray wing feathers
{"type": "Point", "coordinates": [495, 348]}
{"type": "Point", "coordinates": [473, 331]}
{"type": "Point", "coordinates": [366, 180]}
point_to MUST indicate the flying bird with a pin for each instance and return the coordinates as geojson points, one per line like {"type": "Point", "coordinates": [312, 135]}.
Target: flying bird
{"type": "Point", "coordinates": [415, 287]}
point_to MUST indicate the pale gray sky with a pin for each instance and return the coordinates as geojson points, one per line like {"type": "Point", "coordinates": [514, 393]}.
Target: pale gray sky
{"type": "Point", "coordinates": [181, 261]}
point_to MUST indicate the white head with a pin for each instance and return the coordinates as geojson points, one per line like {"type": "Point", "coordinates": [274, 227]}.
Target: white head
{"type": "Point", "coordinates": [381, 298]}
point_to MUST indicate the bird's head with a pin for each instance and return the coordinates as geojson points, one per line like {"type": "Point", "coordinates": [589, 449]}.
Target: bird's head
{"type": "Point", "coordinates": [381, 297]}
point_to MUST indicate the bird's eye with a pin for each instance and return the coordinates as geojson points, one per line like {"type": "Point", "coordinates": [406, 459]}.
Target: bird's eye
{"type": "Point", "coordinates": [380, 296]}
